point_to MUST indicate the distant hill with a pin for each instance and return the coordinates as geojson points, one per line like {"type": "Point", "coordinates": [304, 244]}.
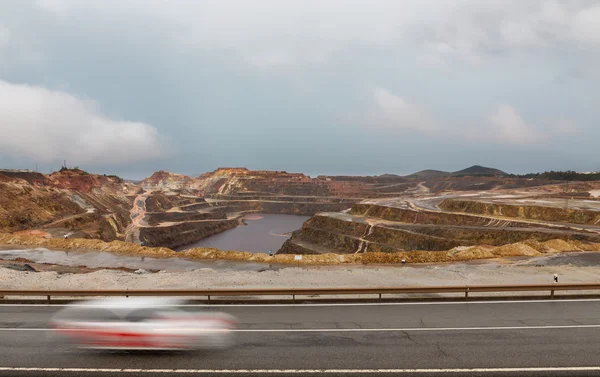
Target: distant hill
{"type": "Point", "coordinates": [475, 170]}
{"type": "Point", "coordinates": [430, 174]}
{"type": "Point", "coordinates": [478, 170]}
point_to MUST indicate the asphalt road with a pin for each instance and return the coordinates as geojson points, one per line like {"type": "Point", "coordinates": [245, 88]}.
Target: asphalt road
{"type": "Point", "coordinates": [481, 338]}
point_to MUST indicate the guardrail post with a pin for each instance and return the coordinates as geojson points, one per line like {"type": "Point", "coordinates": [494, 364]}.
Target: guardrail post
{"type": "Point", "coordinates": [379, 297]}
{"type": "Point", "coordinates": [293, 298]}
{"type": "Point", "coordinates": [48, 298]}
{"type": "Point", "coordinates": [209, 299]}
{"type": "Point", "coordinates": [552, 294]}
{"type": "Point", "coordinates": [467, 294]}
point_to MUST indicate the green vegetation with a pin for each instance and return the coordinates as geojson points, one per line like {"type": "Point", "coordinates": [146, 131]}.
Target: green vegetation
{"type": "Point", "coordinates": [75, 170]}
{"type": "Point", "coordinates": [562, 176]}
{"type": "Point", "coordinates": [115, 177]}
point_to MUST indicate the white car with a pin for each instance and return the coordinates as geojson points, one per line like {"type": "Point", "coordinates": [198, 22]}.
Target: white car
{"type": "Point", "coordinates": [140, 323]}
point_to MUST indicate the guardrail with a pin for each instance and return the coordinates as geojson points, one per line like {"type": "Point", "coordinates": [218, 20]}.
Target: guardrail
{"type": "Point", "coordinates": [293, 292]}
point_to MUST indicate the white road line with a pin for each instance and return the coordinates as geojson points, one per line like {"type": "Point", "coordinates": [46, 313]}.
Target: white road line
{"type": "Point", "coordinates": [557, 301]}
{"type": "Point", "coordinates": [304, 371]}
{"type": "Point", "coordinates": [407, 329]}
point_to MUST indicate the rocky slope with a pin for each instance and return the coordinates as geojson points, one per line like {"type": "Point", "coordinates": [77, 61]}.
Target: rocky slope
{"type": "Point", "coordinates": [435, 223]}
{"type": "Point", "coordinates": [167, 181]}
{"type": "Point", "coordinates": [68, 202]}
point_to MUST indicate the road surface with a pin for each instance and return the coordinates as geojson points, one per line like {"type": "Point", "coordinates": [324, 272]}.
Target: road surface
{"type": "Point", "coordinates": [548, 338]}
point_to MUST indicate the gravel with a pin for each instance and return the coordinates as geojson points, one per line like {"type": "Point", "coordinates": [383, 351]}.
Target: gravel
{"type": "Point", "coordinates": [496, 272]}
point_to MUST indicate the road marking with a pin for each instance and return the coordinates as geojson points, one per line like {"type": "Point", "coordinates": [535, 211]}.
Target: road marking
{"type": "Point", "coordinates": [303, 371]}
{"type": "Point", "coordinates": [556, 301]}
{"type": "Point", "coordinates": [432, 329]}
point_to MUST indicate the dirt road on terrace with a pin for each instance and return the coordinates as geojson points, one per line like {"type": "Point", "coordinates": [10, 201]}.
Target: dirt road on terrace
{"type": "Point", "coordinates": [138, 218]}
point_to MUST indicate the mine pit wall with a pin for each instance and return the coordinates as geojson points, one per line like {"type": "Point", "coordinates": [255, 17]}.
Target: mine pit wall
{"type": "Point", "coordinates": [155, 218]}
{"type": "Point", "coordinates": [111, 227]}
{"type": "Point", "coordinates": [290, 247]}
{"type": "Point", "coordinates": [186, 201]}
{"type": "Point", "coordinates": [350, 228]}
{"type": "Point", "coordinates": [388, 239]}
{"type": "Point", "coordinates": [184, 233]}
{"type": "Point", "coordinates": [341, 236]}
{"type": "Point", "coordinates": [194, 206]}
{"type": "Point", "coordinates": [341, 243]}
{"type": "Point", "coordinates": [285, 187]}
{"type": "Point", "coordinates": [112, 216]}
{"type": "Point", "coordinates": [437, 238]}
{"type": "Point", "coordinates": [158, 202]}
{"type": "Point", "coordinates": [409, 216]}
{"type": "Point", "coordinates": [283, 208]}
{"type": "Point", "coordinates": [285, 199]}
{"type": "Point", "coordinates": [554, 214]}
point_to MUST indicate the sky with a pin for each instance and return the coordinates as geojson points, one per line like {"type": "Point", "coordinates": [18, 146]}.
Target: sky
{"type": "Point", "coordinates": [312, 86]}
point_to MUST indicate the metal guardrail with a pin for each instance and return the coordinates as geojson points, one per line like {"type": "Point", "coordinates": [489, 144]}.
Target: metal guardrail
{"type": "Point", "coordinates": [293, 292]}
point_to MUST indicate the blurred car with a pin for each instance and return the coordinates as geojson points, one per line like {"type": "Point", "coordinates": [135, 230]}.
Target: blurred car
{"type": "Point", "coordinates": [140, 323]}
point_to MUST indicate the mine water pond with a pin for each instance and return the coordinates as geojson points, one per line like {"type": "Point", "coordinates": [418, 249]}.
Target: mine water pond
{"type": "Point", "coordinates": [96, 259]}
{"type": "Point", "coordinates": [264, 232]}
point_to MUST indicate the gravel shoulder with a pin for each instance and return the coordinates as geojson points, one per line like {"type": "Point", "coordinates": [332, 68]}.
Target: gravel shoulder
{"type": "Point", "coordinates": [340, 276]}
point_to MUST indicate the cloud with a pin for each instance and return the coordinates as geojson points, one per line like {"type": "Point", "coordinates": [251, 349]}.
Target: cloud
{"type": "Point", "coordinates": [505, 126]}
{"type": "Point", "coordinates": [58, 7]}
{"type": "Point", "coordinates": [4, 36]}
{"type": "Point", "coordinates": [394, 113]}
{"type": "Point", "coordinates": [266, 33]}
{"type": "Point", "coordinates": [475, 30]}
{"type": "Point", "coordinates": [49, 126]}
{"type": "Point", "coordinates": [4, 43]}
{"type": "Point", "coordinates": [586, 28]}
{"type": "Point", "coordinates": [564, 126]}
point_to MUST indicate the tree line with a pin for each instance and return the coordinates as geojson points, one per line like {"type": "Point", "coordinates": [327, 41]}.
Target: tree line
{"type": "Point", "coordinates": [568, 175]}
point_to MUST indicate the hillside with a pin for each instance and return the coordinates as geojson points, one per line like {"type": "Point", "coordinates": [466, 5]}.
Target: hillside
{"type": "Point", "coordinates": [70, 201]}
{"type": "Point", "coordinates": [478, 170]}
{"type": "Point", "coordinates": [425, 174]}
{"type": "Point", "coordinates": [164, 180]}
{"type": "Point", "coordinates": [473, 171]}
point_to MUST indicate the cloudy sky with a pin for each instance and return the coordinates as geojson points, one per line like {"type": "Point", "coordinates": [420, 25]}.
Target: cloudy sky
{"type": "Point", "coordinates": [332, 87]}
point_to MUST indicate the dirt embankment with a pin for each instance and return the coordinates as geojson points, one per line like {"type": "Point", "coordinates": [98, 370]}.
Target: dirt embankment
{"type": "Point", "coordinates": [527, 248]}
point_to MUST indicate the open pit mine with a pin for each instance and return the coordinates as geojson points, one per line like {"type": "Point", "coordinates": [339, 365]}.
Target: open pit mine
{"type": "Point", "coordinates": [428, 216]}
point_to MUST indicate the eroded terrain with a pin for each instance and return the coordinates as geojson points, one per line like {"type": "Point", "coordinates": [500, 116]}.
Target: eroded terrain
{"type": "Point", "coordinates": [454, 220]}
{"type": "Point", "coordinates": [425, 217]}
